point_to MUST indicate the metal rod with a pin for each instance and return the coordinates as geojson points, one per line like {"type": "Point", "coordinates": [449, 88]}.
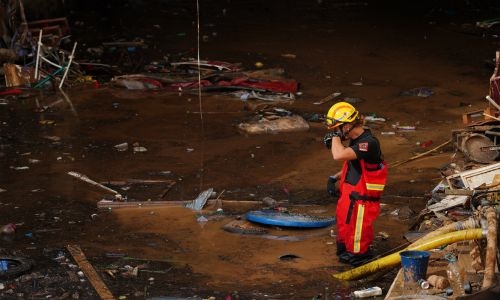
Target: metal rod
{"type": "Point", "coordinates": [490, 116]}
{"type": "Point", "coordinates": [493, 102]}
{"type": "Point", "coordinates": [68, 66]}
{"type": "Point", "coordinates": [490, 132]}
{"type": "Point", "coordinates": [38, 54]}
{"type": "Point", "coordinates": [86, 179]}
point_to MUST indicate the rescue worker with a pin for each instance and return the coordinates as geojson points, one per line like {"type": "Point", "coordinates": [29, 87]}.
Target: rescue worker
{"type": "Point", "coordinates": [361, 181]}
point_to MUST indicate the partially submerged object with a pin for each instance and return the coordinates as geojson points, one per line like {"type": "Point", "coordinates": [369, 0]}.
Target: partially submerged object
{"type": "Point", "coordinates": [244, 227]}
{"type": "Point", "coordinates": [286, 219]}
{"type": "Point", "coordinates": [275, 124]}
{"type": "Point", "coordinates": [11, 266]}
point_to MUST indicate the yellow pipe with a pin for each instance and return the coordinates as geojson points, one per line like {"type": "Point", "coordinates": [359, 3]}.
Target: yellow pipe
{"type": "Point", "coordinates": [459, 225]}
{"type": "Point", "coordinates": [393, 259]}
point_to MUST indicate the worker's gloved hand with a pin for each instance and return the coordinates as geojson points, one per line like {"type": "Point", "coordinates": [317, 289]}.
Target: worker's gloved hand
{"type": "Point", "coordinates": [331, 189]}
{"type": "Point", "coordinates": [327, 140]}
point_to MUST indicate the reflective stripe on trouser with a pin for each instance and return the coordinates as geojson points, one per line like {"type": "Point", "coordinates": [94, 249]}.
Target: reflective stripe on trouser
{"type": "Point", "coordinates": [359, 232]}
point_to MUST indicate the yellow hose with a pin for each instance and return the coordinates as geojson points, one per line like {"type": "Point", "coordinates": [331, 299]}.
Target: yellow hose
{"type": "Point", "coordinates": [459, 225]}
{"type": "Point", "coordinates": [393, 259]}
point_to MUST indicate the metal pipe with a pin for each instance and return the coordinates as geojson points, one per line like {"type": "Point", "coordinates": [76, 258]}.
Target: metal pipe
{"type": "Point", "coordinates": [39, 44]}
{"type": "Point", "coordinates": [493, 102]}
{"type": "Point", "coordinates": [491, 132]}
{"type": "Point", "coordinates": [491, 248]}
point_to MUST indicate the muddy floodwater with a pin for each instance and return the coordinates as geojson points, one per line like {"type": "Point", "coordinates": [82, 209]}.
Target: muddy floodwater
{"type": "Point", "coordinates": [369, 53]}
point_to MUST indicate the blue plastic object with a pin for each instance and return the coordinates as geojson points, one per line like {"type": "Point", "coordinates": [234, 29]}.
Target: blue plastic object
{"type": "Point", "coordinates": [4, 265]}
{"type": "Point", "coordinates": [283, 219]}
{"type": "Point", "coordinates": [414, 265]}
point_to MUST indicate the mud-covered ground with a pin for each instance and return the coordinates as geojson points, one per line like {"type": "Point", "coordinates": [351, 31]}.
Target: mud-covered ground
{"type": "Point", "coordinates": [367, 52]}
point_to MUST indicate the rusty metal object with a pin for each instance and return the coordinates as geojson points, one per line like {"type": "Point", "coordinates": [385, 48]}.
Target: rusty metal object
{"type": "Point", "coordinates": [491, 248]}
{"type": "Point", "coordinates": [479, 148]}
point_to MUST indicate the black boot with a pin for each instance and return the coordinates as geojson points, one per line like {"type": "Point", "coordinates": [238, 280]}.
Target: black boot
{"type": "Point", "coordinates": [355, 259]}
{"type": "Point", "coordinates": [340, 248]}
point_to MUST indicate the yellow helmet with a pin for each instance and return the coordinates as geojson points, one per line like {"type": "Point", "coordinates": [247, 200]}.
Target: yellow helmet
{"type": "Point", "coordinates": [340, 113]}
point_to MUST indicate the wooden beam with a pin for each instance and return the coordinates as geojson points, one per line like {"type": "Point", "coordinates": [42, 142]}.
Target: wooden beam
{"type": "Point", "coordinates": [104, 204]}
{"type": "Point", "coordinates": [90, 272]}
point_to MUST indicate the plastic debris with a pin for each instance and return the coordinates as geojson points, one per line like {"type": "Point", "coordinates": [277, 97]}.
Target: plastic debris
{"type": "Point", "coordinates": [140, 149]}
{"type": "Point", "coordinates": [406, 128]}
{"type": "Point", "coordinates": [369, 292]}
{"type": "Point", "coordinates": [201, 200]}
{"type": "Point", "coordinates": [423, 92]}
{"type": "Point", "coordinates": [121, 147]}
{"type": "Point", "coordinates": [280, 124]}
{"type": "Point", "coordinates": [8, 228]}
{"type": "Point", "coordinates": [201, 219]}
{"type": "Point", "coordinates": [374, 119]}
{"type": "Point", "coordinates": [486, 24]}
{"type": "Point", "coordinates": [426, 144]}
{"type": "Point", "coordinates": [22, 168]}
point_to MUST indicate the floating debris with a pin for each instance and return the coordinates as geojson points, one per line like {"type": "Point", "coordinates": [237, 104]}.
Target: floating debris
{"type": "Point", "coordinates": [423, 92]}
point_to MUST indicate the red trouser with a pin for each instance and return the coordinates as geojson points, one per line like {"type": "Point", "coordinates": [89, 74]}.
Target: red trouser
{"type": "Point", "coordinates": [358, 207]}
{"type": "Point", "coordinates": [355, 220]}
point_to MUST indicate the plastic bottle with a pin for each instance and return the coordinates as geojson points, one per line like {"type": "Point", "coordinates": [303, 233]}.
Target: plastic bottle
{"type": "Point", "coordinates": [369, 292]}
{"type": "Point", "coordinates": [454, 272]}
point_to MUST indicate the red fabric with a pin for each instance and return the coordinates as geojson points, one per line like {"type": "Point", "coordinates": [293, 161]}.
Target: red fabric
{"type": "Point", "coordinates": [277, 86]}
{"type": "Point", "coordinates": [282, 86]}
{"type": "Point", "coordinates": [191, 84]}
{"type": "Point", "coordinates": [10, 92]}
{"type": "Point", "coordinates": [150, 81]}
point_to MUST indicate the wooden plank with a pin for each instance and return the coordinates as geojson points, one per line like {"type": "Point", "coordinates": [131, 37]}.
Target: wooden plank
{"type": "Point", "coordinates": [90, 272]}
{"type": "Point", "coordinates": [468, 117]}
{"type": "Point", "coordinates": [105, 204]}
{"type": "Point", "coordinates": [328, 98]}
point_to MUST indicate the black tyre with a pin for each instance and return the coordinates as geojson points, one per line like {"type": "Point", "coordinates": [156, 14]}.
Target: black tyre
{"type": "Point", "coordinates": [16, 266]}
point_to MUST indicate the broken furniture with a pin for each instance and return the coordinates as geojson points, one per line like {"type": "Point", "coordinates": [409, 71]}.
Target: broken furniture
{"type": "Point", "coordinates": [53, 30]}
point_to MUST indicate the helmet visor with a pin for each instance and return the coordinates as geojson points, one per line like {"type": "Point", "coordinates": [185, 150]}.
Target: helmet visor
{"type": "Point", "coordinates": [331, 123]}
